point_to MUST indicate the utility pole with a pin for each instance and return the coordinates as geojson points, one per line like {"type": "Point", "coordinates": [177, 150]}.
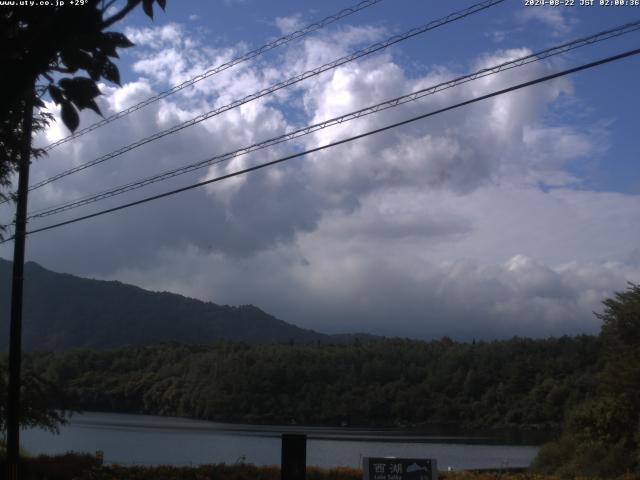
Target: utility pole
{"type": "Point", "coordinates": [15, 336]}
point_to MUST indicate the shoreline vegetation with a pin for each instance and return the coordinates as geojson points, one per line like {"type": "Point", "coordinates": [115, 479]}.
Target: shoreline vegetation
{"type": "Point", "coordinates": [86, 467]}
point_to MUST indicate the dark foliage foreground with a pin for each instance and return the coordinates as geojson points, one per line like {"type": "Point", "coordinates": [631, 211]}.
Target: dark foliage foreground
{"type": "Point", "coordinates": [84, 467]}
{"type": "Point", "coordinates": [62, 467]}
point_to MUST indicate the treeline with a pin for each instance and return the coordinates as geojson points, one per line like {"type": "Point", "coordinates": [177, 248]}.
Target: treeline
{"type": "Point", "coordinates": [402, 383]}
{"type": "Point", "coordinates": [601, 436]}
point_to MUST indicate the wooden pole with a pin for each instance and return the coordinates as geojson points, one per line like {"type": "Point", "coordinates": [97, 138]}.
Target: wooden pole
{"type": "Point", "coordinates": [15, 335]}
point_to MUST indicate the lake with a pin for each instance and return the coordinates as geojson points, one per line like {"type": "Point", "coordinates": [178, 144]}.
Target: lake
{"type": "Point", "coordinates": [150, 440]}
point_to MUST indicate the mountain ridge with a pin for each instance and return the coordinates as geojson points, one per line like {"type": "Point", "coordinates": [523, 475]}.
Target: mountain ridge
{"type": "Point", "coordinates": [63, 311]}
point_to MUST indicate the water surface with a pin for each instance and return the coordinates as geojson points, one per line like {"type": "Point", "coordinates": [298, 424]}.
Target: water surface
{"type": "Point", "coordinates": [150, 440]}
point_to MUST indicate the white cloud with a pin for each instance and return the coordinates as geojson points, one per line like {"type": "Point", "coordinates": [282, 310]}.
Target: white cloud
{"type": "Point", "coordinates": [289, 23]}
{"type": "Point", "coordinates": [557, 20]}
{"type": "Point", "coordinates": [170, 34]}
{"type": "Point", "coordinates": [126, 96]}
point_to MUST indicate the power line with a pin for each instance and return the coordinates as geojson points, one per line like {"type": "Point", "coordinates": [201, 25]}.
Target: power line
{"type": "Point", "coordinates": [534, 57]}
{"type": "Point", "coordinates": [343, 141]}
{"type": "Point", "coordinates": [224, 66]}
{"type": "Point", "coordinates": [287, 83]}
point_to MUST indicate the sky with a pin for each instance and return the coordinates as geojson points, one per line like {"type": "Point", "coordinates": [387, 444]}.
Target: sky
{"type": "Point", "coordinates": [516, 215]}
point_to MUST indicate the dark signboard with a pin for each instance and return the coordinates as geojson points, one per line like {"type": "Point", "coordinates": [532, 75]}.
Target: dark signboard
{"type": "Point", "coordinates": [375, 468]}
{"type": "Point", "coordinates": [294, 457]}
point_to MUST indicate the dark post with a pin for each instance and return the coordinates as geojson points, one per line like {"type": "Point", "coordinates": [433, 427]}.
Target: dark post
{"type": "Point", "coordinates": [15, 335]}
{"type": "Point", "coordinates": [294, 457]}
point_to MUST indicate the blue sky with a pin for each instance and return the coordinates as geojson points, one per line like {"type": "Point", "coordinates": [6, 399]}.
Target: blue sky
{"type": "Point", "coordinates": [514, 216]}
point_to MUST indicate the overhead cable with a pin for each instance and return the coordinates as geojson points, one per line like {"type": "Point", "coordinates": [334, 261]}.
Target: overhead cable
{"type": "Point", "coordinates": [341, 142]}
{"type": "Point", "coordinates": [287, 83]}
{"type": "Point", "coordinates": [220, 68]}
{"type": "Point", "coordinates": [416, 95]}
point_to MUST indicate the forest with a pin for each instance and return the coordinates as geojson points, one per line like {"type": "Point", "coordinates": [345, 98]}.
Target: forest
{"type": "Point", "coordinates": [400, 383]}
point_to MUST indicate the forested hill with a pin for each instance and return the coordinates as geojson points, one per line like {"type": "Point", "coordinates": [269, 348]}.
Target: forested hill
{"type": "Point", "coordinates": [63, 311]}
{"type": "Point", "coordinates": [401, 383]}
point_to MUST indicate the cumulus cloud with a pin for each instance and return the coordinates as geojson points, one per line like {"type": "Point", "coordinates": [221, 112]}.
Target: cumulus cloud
{"type": "Point", "coordinates": [469, 224]}
{"type": "Point", "coordinates": [556, 19]}
{"type": "Point", "coordinates": [344, 288]}
{"type": "Point", "coordinates": [169, 35]}
{"type": "Point", "coordinates": [289, 24]}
